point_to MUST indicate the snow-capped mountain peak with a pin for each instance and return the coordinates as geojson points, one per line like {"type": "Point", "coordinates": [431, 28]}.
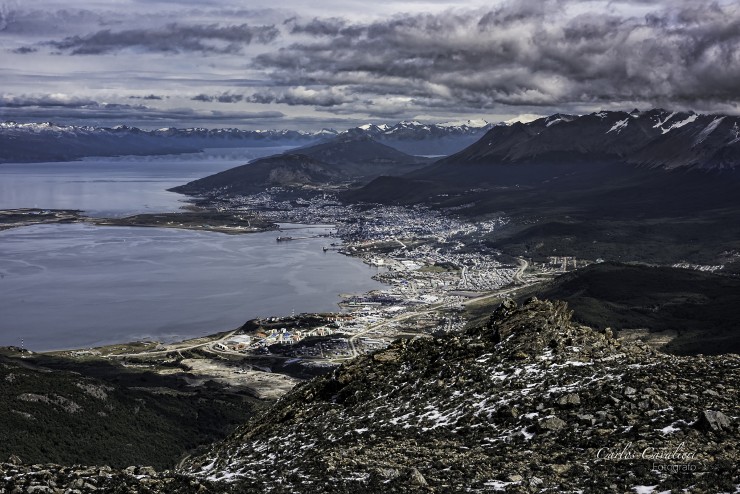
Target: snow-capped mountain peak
{"type": "Point", "coordinates": [473, 124]}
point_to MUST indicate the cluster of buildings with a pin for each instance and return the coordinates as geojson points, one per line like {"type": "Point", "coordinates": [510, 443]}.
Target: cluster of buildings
{"type": "Point", "coordinates": [423, 256]}
{"type": "Point", "coordinates": [273, 336]}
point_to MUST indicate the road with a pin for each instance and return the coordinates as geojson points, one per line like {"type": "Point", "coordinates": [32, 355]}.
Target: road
{"type": "Point", "coordinates": [396, 319]}
{"type": "Point", "coordinates": [523, 265]}
{"type": "Point", "coordinates": [175, 348]}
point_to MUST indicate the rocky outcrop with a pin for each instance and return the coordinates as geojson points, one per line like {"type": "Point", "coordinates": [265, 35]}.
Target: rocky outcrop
{"type": "Point", "coordinates": [532, 402]}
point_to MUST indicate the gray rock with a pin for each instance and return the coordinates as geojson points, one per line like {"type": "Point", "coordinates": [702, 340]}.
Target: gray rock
{"type": "Point", "coordinates": [416, 478]}
{"type": "Point", "coordinates": [714, 421]}
{"type": "Point", "coordinates": [535, 481]}
{"type": "Point", "coordinates": [571, 399]}
{"type": "Point", "coordinates": [559, 468]}
{"type": "Point", "coordinates": [551, 424]}
{"type": "Point", "coordinates": [147, 471]}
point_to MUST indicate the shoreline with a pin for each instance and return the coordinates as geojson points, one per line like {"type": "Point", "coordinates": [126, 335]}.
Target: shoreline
{"type": "Point", "coordinates": [421, 296]}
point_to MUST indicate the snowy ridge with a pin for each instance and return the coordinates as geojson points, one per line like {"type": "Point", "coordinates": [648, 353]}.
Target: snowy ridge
{"type": "Point", "coordinates": [619, 126]}
{"type": "Point", "coordinates": [654, 138]}
{"type": "Point", "coordinates": [708, 130]}
{"type": "Point", "coordinates": [680, 124]}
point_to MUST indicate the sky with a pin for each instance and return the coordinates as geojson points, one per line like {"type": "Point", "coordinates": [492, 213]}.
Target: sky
{"type": "Point", "coordinates": [293, 64]}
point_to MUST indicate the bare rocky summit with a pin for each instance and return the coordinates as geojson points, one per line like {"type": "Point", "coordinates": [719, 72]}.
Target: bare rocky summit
{"type": "Point", "coordinates": [532, 402]}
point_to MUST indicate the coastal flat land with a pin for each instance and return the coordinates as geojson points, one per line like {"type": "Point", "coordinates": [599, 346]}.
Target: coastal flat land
{"type": "Point", "coordinates": [194, 219]}
{"type": "Point", "coordinates": [202, 219]}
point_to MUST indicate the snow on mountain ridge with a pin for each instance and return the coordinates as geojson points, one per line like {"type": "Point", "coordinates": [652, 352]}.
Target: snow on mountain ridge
{"type": "Point", "coordinates": [708, 130]}
{"type": "Point", "coordinates": [472, 124]}
{"type": "Point", "coordinates": [617, 127]}
{"type": "Point", "coordinates": [680, 124]}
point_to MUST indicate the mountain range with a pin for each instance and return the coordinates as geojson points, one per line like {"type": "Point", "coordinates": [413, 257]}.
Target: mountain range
{"type": "Point", "coordinates": [426, 140]}
{"type": "Point", "coordinates": [655, 138]}
{"type": "Point", "coordinates": [52, 142]}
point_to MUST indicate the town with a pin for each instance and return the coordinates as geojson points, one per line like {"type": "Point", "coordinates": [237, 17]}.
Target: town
{"type": "Point", "coordinates": [430, 276]}
{"type": "Point", "coordinates": [437, 276]}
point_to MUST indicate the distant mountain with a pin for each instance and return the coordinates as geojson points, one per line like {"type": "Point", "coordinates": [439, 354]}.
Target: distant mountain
{"type": "Point", "coordinates": [238, 137]}
{"type": "Point", "coordinates": [52, 142]}
{"type": "Point", "coordinates": [343, 159]}
{"type": "Point", "coordinates": [426, 139]}
{"type": "Point", "coordinates": [47, 141]}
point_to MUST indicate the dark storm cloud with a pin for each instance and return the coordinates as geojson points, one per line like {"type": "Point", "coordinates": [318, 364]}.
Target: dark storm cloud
{"type": "Point", "coordinates": [551, 53]}
{"type": "Point", "coordinates": [317, 27]}
{"type": "Point", "coordinates": [148, 97]}
{"type": "Point", "coordinates": [93, 111]}
{"type": "Point", "coordinates": [26, 20]}
{"type": "Point", "coordinates": [24, 50]}
{"type": "Point", "coordinates": [219, 98]}
{"type": "Point", "coordinates": [172, 38]}
{"type": "Point", "coordinates": [324, 97]}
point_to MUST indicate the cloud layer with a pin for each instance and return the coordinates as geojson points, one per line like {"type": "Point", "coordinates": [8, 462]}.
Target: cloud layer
{"type": "Point", "coordinates": [172, 38]}
{"type": "Point", "coordinates": [537, 54]}
{"type": "Point", "coordinates": [420, 59]}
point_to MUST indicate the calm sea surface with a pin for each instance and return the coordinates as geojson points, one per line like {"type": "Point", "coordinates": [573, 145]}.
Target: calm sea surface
{"type": "Point", "coordinates": [74, 286]}
{"type": "Point", "coordinates": [114, 186]}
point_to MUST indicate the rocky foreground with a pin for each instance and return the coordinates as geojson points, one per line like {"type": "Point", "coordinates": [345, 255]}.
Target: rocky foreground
{"type": "Point", "coordinates": [531, 403]}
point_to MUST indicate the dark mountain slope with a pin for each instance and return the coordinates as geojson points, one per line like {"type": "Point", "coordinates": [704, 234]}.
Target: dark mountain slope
{"type": "Point", "coordinates": [710, 142]}
{"type": "Point", "coordinates": [549, 148]}
{"type": "Point", "coordinates": [637, 215]}
{"type": "Point", "coordinates": [72, 412]}
{"type": "Point", "coordinates": [530, 403]}
{"type": "Point", "coordinates": [701, 307]}
{"type": "Point", "coordinates": [653, 138]}
{"type": "Point", "coordinates": [339, 160]}
{"type": "Point", "coordinates": [279, 170]}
